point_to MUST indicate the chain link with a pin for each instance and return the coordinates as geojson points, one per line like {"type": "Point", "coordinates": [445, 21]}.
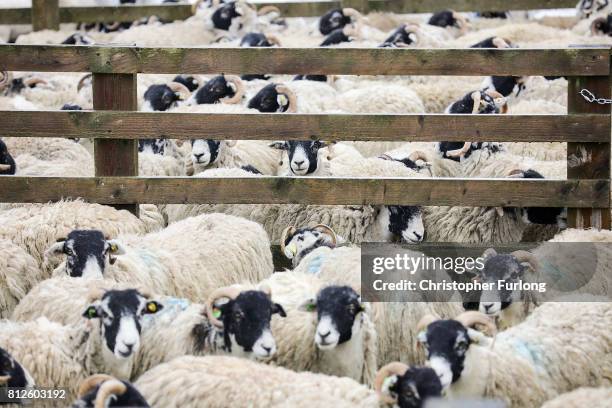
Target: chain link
{"type": "Point", "coordinates": [588, 95]}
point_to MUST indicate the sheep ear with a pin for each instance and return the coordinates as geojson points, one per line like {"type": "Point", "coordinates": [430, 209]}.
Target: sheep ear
{"type": "Point", "coordinates": [279, 145]}
{"type": "Point", "coordinates": [309, 305]}
{"type": "Point", "coordinates": [115, 247]}
{"type": "Point", "coordinates": [91, 312]}
{"type": "Point", "coordinates": [55, 249]}
{"type": "Point", "coordinates": [276, 308]}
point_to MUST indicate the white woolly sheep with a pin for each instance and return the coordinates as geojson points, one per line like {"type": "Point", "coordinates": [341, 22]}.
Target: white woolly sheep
{"type": "Point", "coordinates": [560, 347]}
{"type": "Point", "coordinates": [590, 397]}
{"type": "Point", "coordinates": [102, 390]}
{"type": "Point", "coordinates": [19, 272]}
{"type": "Point", "coordinates": [12, 373]}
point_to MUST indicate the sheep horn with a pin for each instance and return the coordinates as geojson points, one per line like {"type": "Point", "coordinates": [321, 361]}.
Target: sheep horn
{"type": "Point", "coordinates": [412, 29]}
{"type": "Point", "coordinates": [81, 83]}
{"type": "Point", "coordinates": [327, 230]}
{"type": "Point", "coordinates": [516, 173]}
{"type": "Point", "coordinates": [222, 37]}
{"type": "Point", "coordinates": [92, 382]}
{"type": "Point", "coordinates": [351, 12]}
{"type": "Point", "coordinates": [267, 10]}
{"type": "Point", "coordinates": [526, 256]}
{"type": "Point", "coordinates": [4, 379]}
{"type": "Point", "coordinates": [195, 6]}
{"type": "Point", "coordinates": [272, 39]}
{"type": "Point", "coordinates": [113, 26]}
{"type": "Point", "coordinates": [181, 89]}
{"type": "Point", "coordinates": [418, 155]}
{"type": "Point", "coordinates": [239, 92]}
{"type": "Point", "coordinates": [287, 232]}
{"type": "Point", "coordinates": [189, 170]}
{"type": "Point", "coordinates": [501, 42]}
{"type": "Point", "coordinates": [385, 156]}
{"type": "Point", "coordinates": [595, 22]}
{"type": "Point", "coordinates": [283, 89]}
{"type": "Point", "coordinates": [352, 30]}
{"type": "Point", "coordinates": [4, 167]}
{"type": "Point", "coordinates": [395, 368]}
{"type": "Point", "coordinates": [460, 152]}
{"type": "Point", "coordinates": [499, 99]}
{"type": "Point", "coordinates": [231, 292]}
{"type": "Point", "coordinates": [95, 294]}
{"type": "Point", "coordinates": [426, 321]}
{"type": "Point", "coordinates": [499, 211]}
{"type": "Point", "coordinates": [34, 81]}
{"type": "Point", "coordinates": [476, 98]}
{"type": "Point", "coordinates": [464, 21]}
{"type": "Point", "coordinates": [5, 79]}
{"type": "Point", "coordinates": [471, 318]}
{"type": "Point", "coordinates": [108, 388]}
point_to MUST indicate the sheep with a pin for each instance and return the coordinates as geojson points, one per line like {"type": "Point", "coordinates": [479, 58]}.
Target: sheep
{"type": "Point", "coordinates": [220, 381]}
{"type": "Point", "coordinates": [161, 97]}
{"type": "Point", "coordinates": [222, 88]}
{"type": "Point", "coordinates": [343, 332]}
{"type": "Point", "coordinates": [173, 261]}
{"type": "Point", "coordinates": [12, 373]}
{"type": "Point", "coordinates": [337, 18]}
{"type": "Point", "coordinates": [403, 36]}
{"type": "Point", "coordinates": [590, 397]}
{"type": "Point", "coordinates": [36, 227]}
{"type": "Point", "coordinates": [185, 327]}
{"type": "Point", "coordinates": [274, 98]}
{"type": "Point", "coordinates": [407, 387]}
{"type": "Point", "coordinates": [19, 272]}
{"type": "Point", "coordinates": [106, 340]}
{"type": "Point", "coordinates": [7, 163]}
{"type": "Point", "coordinates": [448, 18]}
{"type": "Point", "coordinates": [543, 264]}
{"type": "Point", "coordinates": [101, 390]}
{"type": "Point", "coordinates": [560, 347]}
{"type": "Point", "coordinates": [259, 40]}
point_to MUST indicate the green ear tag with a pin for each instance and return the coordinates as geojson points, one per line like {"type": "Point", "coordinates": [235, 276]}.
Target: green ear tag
{"type": "Point", "coordinates": [91, 312]}
{"type": "Point", "coordinates": [216, 313]}
{"type": "Point", "coordinates": [311, 307]}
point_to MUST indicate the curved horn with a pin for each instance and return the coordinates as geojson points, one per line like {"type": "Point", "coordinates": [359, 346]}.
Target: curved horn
{"type": "Point", "coordinates": [272, 39]}
{"type": "Point", "coordinates": [113, 26]}
{"type": "Point", "coordinates": [413, 29]}
{"type": "Point", "coordinates": [5, 167]}
{"type": "Point", "coordinates": [351, 12]}
{"type": "Point", "coordinates": [499, 99]}
{"type": "Point", "coordinates": [34, 81]}
{"type": "Point", "coordinates": [464, 21]}
{"type": "Point", "coordinates": [418, 155]}
{"type": "Point", "coordinates": [92, 382]}
{"type": "Point", "coordinates": [5, 79]}
{"type": "Point", "coordinates": [289, 231]}
{"type": "Point", "coordinates": [471, 318]}
{"type": "Point", "coordinates": [267, 10]}
{"type": "Point", "coordinates": [595, 22]}
{"type": "Point", "coordinates": [95, 293]}
{"type": "Point", "coordinates": [108, 388]}
{"type": "Point", "coordinates": [426, 321]}
{"type": "Point", "coordinates": [231, 292]}
{"type": "Point", "coordinates": [476, 98]}
{"type": "Point", "coordinates": [238, 92]}
{"type": "Point", "coordinates": [515, 173]}
{"type": "Point", "coordinates": [501, 42]}
{"type": "Point", "coordinates": [460, 152]}
{"type": "Point", "coordinates": [4, 379]}
{"type": "Point", "coordinates": [82, 81]}
{"type": "Point", "coordinates": [195, 6]}
{"type": "Point", "coordinates": [327, 229]}
{"type": "Point", "coordinates": [526, 256]}
{"type": "Point", "coordinates": [222, 37]}
{"type": "Point", "coordinates": [385, 156]}
{"type": "Point", "coordinates": [395, 368]}
{"type": "Point", "coordinates": [283, 89]}
{"type": "Point", "coordinates": [181, 89]}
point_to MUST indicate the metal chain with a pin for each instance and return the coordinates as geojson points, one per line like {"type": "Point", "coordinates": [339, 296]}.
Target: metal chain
{"type": "Point", "coordinates": [588, 95]}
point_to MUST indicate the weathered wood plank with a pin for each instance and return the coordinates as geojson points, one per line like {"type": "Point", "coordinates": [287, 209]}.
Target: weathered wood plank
{"type": "Point", "coordinates": [589, 161]}
{"type": "Point", "coordinates": [429, 6]}
{"type": "Point", "coordinates": [15, 16]}
{"type": "Point", "coordinates": [45, 15]}
{"type": "Point", "coordinates": [128, 125]}
{"type": "Point", "coordinates": [128, 12]}
{"type": "Point", "coordinates": [118, 157]}
{"type": "Point", "coordinates": [348, 61]}
{"type": "Point", "coordinates": [309, 190]}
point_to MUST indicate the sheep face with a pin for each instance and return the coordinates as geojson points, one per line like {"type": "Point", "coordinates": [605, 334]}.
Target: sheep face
{"type": "Point", "coordinates": [120, 314]}
{"type": "Point", "coordinates": [402, 37]}
{"type": "Point", "coordinates": [152, 146]}
{"type": "Point", "coordinates": [204, 152]}
{"type": "Point", "coordinates": [190, 82]}
{"type": "Point", "coordinates": [505, 85]}
{"type": "Point", "coordinates": [7, 164]}
{"type": "Point", "coordinates": [487, 104]}
{"type": "Point", "coordinates": [269, 100]}
{"type": "Point", "coordinates": [78, 39]}
{"type": "Point", "coordinates": [255, 40]}
{"type": "Point", "coordinates": [602, 26]}
{"type": "Point", "coordinates": [336, 37]}
{"type": "Point", "coordinates": [493, 42]}
{"type": "Point", "coordinates": [403, 222]}
{"type": "Point", "coordinates": [111, 393]}
{"type": "Point", "coordinates": [447, 342]}
{"type": "Point", "coordinates": [304, 157]}
{"type": "Point", "coordinates": [12, 374]}
{"type": "Point", "coordinates": [542, 215]}
{"type": "Point", "coordinates": [305, 240]}
{"type": "Point", "coordinates": [446, 18]}
{"type": "Point", "coordinates": [160, 98]}
{"type": "Point", "coordinates": [318, 78]}
{"type": "Point", "coordinates": [332, 20]}
{"type": "Point", "coordinates": [68, 106]}
{"type": "Point", "coordinates": [85, 252]}
{"type": "Point", "coordinates": [417, 384]}
{"type": "Point", "coordinates": [222, 17]}
{"type": "Point", "coordinates": [214, 90]}
{"type": "Point", "coordinates": [339, 315]}
{"type": "Point", "coordinates": [246, 323]}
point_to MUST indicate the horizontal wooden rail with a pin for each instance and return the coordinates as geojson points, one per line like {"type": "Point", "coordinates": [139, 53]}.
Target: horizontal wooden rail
{"type": "Point", "coordinates": [347, 61]}
{"type": "Point", "coordinates": [138, 125]}
{"type": "Point", "coordinates": [429, 6]}
{"type": "Point", "coordinates": [309, 190]}
{"type": "Point", "coordinates": [101, 14]}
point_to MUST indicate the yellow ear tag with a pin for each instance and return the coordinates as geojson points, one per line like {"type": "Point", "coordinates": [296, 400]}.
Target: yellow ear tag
{"type": "Point", "coordinates": [152, 307]}
{"type": "Point", "coordinates": [216, 313]}
{"type": "Point", "coordinates": [113, 248]}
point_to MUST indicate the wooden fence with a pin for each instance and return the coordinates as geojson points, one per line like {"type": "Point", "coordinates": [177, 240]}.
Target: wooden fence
{"type": "Point", "coordinates": [115, 125]}
{"type": "Point", "coordinates": [46, 14]}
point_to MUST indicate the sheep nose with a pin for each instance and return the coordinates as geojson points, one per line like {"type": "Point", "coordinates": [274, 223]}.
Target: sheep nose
{"type": "Point", "coordinates": [418, 236]}
{"type": "Point", "coordinates": [323, 336]}
{"type": "Point", "coordinates": [298, 163]}
{"type": "Point", "coordinates": [488, 306]}
{"type": "Point", "coordinates": [197, 156]}
{"type": "Point", "coordinates": [268, 349]}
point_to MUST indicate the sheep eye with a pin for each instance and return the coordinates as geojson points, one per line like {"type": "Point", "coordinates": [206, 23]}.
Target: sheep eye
{"type": "Point", "coordinates": [300, 238]}
{"type": "Point", "coordinates": [69, 252]}
{"type": "Point", "coordinates": [238, 315]}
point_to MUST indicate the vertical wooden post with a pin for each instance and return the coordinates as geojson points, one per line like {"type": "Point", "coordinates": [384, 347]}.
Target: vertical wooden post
{"type": "Point", "coordinates": [116, 157]}
{"type": "Point", "coordinates": [588, 160]}
{"type": "Point", "coordinates": [45, 15]}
